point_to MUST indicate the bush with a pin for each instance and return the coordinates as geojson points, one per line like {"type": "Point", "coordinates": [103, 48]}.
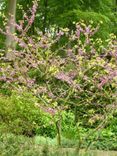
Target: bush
{"type": "Point", "coordinates": [19, 115]}
{"type": "Point", "coordinates": [11, 145]}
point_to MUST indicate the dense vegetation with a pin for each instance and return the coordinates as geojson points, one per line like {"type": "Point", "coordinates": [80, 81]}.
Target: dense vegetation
{"type": "Point", "coordinates": [58, 76]}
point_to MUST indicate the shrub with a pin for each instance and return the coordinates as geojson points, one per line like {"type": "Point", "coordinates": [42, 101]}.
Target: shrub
{"type": "Point", "coordinates": [19, 115]}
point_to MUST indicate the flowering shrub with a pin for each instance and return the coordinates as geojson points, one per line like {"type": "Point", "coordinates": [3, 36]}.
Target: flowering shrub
{"type": "Point", "coordinates": [78, 74]}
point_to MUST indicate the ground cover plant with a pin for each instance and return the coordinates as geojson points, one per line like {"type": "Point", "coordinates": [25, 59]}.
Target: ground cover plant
{"type": "Point", "coordinates": [59, 85]}
{"type": "Point", "coordinates": [12, 145]}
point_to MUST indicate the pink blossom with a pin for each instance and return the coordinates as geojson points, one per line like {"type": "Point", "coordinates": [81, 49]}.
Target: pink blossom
{"type": "Point", "coordinates": [64, 77]}
{"type": "Point", "coordinates": [51, 111]}
{"type": "Point", "coordinates": [102, 83]}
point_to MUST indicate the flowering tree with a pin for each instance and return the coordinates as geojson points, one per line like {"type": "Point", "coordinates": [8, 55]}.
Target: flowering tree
{"type": "Point", "coordinates": [83, 79]}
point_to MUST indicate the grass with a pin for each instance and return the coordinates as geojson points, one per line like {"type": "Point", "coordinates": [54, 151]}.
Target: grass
{"type": "Point", "coordinates": [16, 145]}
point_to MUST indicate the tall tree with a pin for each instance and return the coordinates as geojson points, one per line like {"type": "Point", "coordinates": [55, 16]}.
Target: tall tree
{"type": "Point", "coordinates": [10, 44]}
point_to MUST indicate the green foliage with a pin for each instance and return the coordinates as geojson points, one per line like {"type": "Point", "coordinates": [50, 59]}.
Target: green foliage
{"type": "Point", "coordinates": [13, 145]}
{"type": "Point", "coordinates": [19, 115]}
{"type": "Point", "coordinates": [64, 13]}
{"type": "Point", "coordinates": [89, 17]}
{"type": "Point", "coordinates": [106, 140]}
{"type": "Point", "coordinates": [5, 89]}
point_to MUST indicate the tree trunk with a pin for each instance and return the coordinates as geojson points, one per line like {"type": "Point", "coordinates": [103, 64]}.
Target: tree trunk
{"type": "Point", "coordinates": [10, 43]}
{"type": "Point", "coordinates": [76, 115]}
{"type": "Point", "coordinates": [58, 128]}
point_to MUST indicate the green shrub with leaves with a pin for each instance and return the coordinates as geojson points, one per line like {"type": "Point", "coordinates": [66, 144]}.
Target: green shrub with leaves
{"type": "Point", "coordinates": [19, 115]}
